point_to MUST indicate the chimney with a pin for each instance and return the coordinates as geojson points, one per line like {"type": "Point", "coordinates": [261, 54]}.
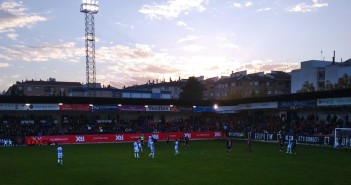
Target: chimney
{"type": "Point", "coordinates": [334, 58]}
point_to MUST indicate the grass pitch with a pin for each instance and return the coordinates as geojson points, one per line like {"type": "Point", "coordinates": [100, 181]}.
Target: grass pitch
{"type": "Point", "coordinates": [204, 162]}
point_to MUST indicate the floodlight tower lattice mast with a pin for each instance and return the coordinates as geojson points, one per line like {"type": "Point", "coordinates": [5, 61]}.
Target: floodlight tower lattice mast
{"type": "Point", "coordinates": [90, 8]}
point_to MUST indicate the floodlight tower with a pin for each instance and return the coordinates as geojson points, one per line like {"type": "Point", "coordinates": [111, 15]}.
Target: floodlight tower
{"type": "Point", "coordinates": [90, 7]}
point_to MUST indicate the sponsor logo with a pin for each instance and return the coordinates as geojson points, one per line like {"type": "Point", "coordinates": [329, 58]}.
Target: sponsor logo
{"type": "Point", "coordinates": [187, 135]}
{"type": "Point", "coordinates": [218, 134]}
{"type": "Point", "coordinates": [260, 136]}
{"type": "Point", "coordinates": [236, 134]}
{"type": "Point", "coordinates": [80, 139]}
{"type": "Point", "coordinates": [119, 137]}
{"type": "Point", "coordinates": [36, 138]}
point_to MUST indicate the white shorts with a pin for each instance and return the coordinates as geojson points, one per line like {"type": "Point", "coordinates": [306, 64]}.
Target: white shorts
{"type": "Point", "coordinates": [136, 150]}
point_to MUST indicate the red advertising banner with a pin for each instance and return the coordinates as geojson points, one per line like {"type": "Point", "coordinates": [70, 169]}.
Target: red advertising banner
{"type": "Point", "coordinates": [115, 138]}
{"type": "Point", "coordinates": [75, 107]}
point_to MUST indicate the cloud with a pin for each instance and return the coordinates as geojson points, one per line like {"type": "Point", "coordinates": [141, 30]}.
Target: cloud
{"type": "Point", "coordinates": [181, 24]}
{"type": "Point", "coordinates": [303, 7]}
{"type": "Point", "coordinates": [266, 65]}
{"type": "Point", "coordinates": [131, 65]}
{"type": "Point", "coordinates": [4, 65]}
{"type": "Point", "coordinates": [188, 38]}
{"type": "Point", "coordinates": [172, 8]}
{"type": "Point", "coordinates": [263, 9]}
{"type": "Point", "coordinates": [15, 15]}
{"type": "Point", "coordinates": [193, 48]}
{"type": "Point", "coordinates": [242, 5]}
{"type": "Point", "coordinates": [12, 36]}
{"type": "Point", "coordinates": [184, 25]}
{"type": "Point", "coordinates": [125, 26]}
{"type": "Point", "coordinates": [237, 5]}
{"type": "Point", "coordinates": [65, 51]}
{"type": "Point", "coordinates": [247, 4]}
{"type": "Point", "coordinates": [231, 46]}
{"type": "Point", "coordinates": [121, 53]}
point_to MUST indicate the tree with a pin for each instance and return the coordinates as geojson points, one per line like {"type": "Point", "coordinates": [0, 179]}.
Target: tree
{"type": "Point", "coordinates": [329, 86]}
{"type": "Point", "coordinates": [307, 87]}
{"type": "Point", "coordinates": [344, 82]}
{"type": "Point", "coordinates": [192, 90]}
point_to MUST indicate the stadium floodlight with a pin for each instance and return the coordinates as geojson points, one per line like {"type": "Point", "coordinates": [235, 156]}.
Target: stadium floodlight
{"type": "Point", "coordinates": [90, 8]}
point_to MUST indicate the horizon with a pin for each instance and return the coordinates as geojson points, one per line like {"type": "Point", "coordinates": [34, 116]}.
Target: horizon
{"type": "Point", "coordinates": [139, 41]}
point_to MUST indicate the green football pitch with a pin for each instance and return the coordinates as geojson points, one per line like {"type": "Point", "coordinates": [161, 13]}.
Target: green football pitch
{"type": "Point", "coordinates": [204, 162]}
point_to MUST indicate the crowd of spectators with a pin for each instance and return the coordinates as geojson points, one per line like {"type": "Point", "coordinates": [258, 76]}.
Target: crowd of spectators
{"type": "Point", "coordinates": [12, 126]}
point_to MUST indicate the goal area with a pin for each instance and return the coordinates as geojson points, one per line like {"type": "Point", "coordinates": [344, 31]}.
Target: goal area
{"type": "Point", "coordinates": [342, 137]}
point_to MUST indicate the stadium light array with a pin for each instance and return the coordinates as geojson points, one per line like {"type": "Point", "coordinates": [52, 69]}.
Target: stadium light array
{"type": "Point", "coordinates": [89, 6]}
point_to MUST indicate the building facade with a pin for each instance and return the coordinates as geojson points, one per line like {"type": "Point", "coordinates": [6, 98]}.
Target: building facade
{"type": "Point", "coordinates": [241, 85]}
{"type": "Point", "coordinates": [51, 87]}
{"type": "Point", "coordinates": [318, 72]}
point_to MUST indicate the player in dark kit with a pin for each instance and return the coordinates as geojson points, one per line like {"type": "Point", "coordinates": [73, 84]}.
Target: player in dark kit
{"type": "Point", "coordinates": [281, 143]}
{"type": "Point", "coordinates": [339, 141]}
{"type": "Point", "coordinates": [167, 139]}
{"type": "Point", "coordinates": [248, 144]}
{"type": "Point", "coordinates": [186, 138]}
{"type": "Point", "coordinates": [181, 141]}
{"type": "Point", "coordinates": [294, 145]}
{"type": "Point", "coordinates": [229, 146]}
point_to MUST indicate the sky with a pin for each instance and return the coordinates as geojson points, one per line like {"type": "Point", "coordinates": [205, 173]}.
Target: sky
{"type": "Point", "coordinates": [142, 40]}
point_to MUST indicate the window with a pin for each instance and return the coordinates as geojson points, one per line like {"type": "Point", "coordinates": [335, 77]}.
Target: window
{"type": "Point", "coordinates": [29, 88]}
